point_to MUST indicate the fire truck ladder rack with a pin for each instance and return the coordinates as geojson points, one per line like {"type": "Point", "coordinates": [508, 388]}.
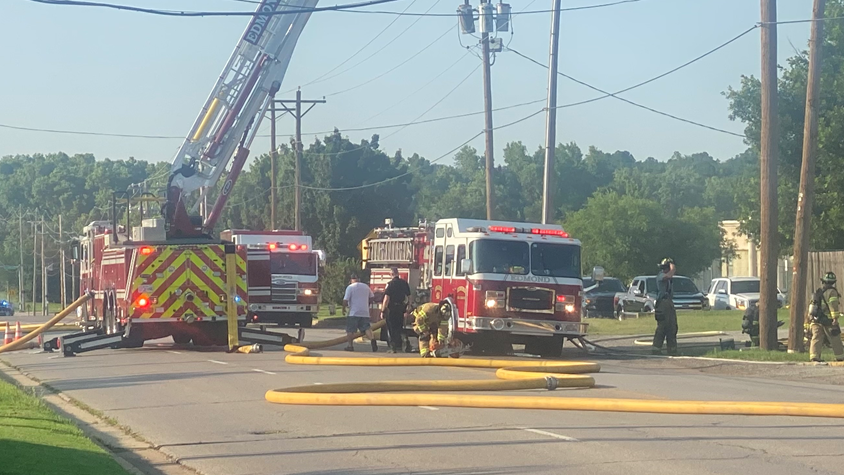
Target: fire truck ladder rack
{"type": "Point", "coordinates": [391, 251]}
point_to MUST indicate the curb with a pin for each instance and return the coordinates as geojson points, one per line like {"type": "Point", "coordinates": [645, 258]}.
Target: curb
{"type": "Point", "coordinates": [102, 432]}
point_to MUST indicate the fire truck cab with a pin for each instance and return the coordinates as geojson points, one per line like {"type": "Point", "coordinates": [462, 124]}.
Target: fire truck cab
{"type": "Point", "coordinates": [282, 274]}
{"type": "Point", "coordinates": [513, 283]}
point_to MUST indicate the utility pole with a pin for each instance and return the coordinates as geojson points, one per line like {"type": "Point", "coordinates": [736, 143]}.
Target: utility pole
{"type": "Point", "coordinates": [21, 299]}
{"type": "Point", "coordinates": [61, 266]}
{"type": "Point", "coordinates": [297, 114]}
{"type": "Point", "coordinates": [489, 148]}
{"type": "Point", "coordinates": [273, 156]}
{"type": "Point", "coordinates": [34, 225]}
{"type": "Point", "coordinates": [43, 273]}
{"type": "Point", "coordinates": [551, 117]}
{"type": "Point", "coordinates": [805, 197]}
{"type": "Point", "coordinates": [769, 237]}
{"type": "Point", "coordinates": [492, 19]}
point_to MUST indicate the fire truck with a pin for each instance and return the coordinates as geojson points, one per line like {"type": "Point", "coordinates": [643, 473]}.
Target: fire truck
{"type": "Point", "coordinates": [170, 276]}
{"type": "Point", "coordinates": [282, 271]}
{"type": "Point", "coordinates": [512, 283]}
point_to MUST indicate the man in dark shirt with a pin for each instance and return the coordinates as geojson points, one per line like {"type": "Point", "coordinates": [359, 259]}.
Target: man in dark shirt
{"type": "Point", "coordinates": [393, 308]}
{"type": "Point", "coordinates": [664, 312]}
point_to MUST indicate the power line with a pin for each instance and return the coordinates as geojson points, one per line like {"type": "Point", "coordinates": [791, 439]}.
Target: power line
{"type": "Point", "coordinates": [609, 94]}
{"type": "Point", "coordinates": [99, 134]}
{"type": "Point", "coordinates": [153, 11]}
{"type": "Point", "coordinates": [347, 8]}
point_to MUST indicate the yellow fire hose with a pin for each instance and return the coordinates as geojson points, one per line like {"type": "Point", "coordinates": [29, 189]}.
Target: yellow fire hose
{"type": "Point", "coordinates": [18, 344]}
{"type": "Point", "coordinates": [512, 375]}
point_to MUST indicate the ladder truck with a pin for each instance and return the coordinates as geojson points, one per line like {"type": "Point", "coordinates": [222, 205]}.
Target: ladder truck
{"type": "Point", "coordinates": [171, 276]}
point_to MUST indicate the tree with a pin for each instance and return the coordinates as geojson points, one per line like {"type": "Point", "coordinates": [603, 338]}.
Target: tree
{"type": "Point", "coordinates": [628, 236]}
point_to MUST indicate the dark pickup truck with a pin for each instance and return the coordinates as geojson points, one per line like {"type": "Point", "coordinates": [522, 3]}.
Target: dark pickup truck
{"type": "Point", "coordinates": [599, 300]}
{"type": "Point", "coordinates": [641, 295]}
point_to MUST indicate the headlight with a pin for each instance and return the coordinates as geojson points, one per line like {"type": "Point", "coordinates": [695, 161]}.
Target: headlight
{"type": "Point", "coordinates": [570, 308]}
{"type": "Point", "coordinates": [308, 292]}
{"type": "Point", "coordinates": [491, 303]}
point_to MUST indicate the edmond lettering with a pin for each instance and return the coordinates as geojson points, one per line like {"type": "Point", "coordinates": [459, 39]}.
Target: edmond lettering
{"type": "Point", "coordinates": [258, 24]}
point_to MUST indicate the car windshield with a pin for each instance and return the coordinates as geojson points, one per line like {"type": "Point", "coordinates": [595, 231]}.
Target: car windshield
{"type": "Point", "coordinates": [293, 263]}
{"type": "Point", "coordinates": [745, 287]}
{"type": "Point", "coordinates": [555, 260]}
{"type": "Point", "coordinates": [608, 285]}
{"type": "Point", "coordinates": [501, 257]}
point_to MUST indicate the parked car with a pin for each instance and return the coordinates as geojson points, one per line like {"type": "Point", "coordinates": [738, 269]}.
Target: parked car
{"type": "Point", "coordinates": [7, 309]}
{"type": "Point", "coordinates": [641, 295]}
{"type": "Point", "coordinates": [736, 293]}
{"type": "Point", "coordinates": [599, 296]}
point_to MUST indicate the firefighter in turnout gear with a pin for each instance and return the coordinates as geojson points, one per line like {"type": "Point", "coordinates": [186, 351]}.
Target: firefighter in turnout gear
{"type": "Point", "coordinates": [430, 322]}
{"type": "Point", "coordinates": [824, 310]}
{"type": "Point", "coordinates": [664, 311]}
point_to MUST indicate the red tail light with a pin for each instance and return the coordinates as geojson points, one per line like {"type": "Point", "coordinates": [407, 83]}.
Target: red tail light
{"type": "Point", "coordinates": [292, 247]}
{"type": "Point", "coordinates": [146, 250]}
{"type": "Point", "coordinates": [142, 302]}
{"type": "Point", "coordinates": [561, 298]}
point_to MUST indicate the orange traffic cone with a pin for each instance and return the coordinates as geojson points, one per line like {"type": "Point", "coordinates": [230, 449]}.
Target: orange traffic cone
{"type": "Point", "coordinates": [40, 340]}
{"type": "Point", "coordinates": [7, 338]}
{"type": "Point", "coordinates": [17, 331]}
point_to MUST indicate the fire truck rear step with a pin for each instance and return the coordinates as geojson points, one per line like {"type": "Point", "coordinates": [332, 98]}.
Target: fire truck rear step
{"type": "Point", "coordinates": [83, 341]}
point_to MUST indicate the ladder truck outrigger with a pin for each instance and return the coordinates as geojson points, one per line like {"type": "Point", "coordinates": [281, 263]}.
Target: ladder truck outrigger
{"type": "Point", "coordinates": [170, 276]}
{"type": "Point", "coordinates": [510, 282]}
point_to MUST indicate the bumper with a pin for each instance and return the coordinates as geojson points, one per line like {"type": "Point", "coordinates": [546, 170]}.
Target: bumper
{"type": "Point", "coordinates": [285, 308]}
{"type": "Point", "coordinates": [521, 326]}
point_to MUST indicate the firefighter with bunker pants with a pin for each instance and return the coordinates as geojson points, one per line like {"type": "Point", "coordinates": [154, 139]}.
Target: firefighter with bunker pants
{"type": "Point", "coordinates": [664, 312]}
{"type": "Point", "coordinates": [824, 310]}
{"type": "Point", "coordinates": [430, 322]}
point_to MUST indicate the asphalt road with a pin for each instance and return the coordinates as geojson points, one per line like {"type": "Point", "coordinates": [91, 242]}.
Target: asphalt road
{"type": "Point", "coordinates": [207, 409]}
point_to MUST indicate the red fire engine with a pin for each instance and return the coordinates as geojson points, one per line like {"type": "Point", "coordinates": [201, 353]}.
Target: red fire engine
{"type": "Point", "coordinates": [171, 276]}
{"type": "Point", "coordinates": [283, 274]}
{"type": "Point", "coordinates": [511, 282]}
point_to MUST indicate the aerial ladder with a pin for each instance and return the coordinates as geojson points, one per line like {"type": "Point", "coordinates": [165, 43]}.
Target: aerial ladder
{"type": "Point", "coordinates": [190, 296]}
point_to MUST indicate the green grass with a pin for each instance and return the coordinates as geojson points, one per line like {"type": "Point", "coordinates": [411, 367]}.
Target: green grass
{"type": "Point", "coordinates": [688, 321]}
{"type": "Point", "coordinates": [35, 440]}
{"type": "Point", "coordinates": [759, 355]}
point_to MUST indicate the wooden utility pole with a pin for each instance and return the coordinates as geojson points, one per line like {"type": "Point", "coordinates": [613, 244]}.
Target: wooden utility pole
{"type": "Point", "coordinates": [769, 151]}
{"type": "Point", "coordinates": [34, 263]}
{"type": "Point", "coordinates": [61, 266]}
{"type": "Point", "coordinates": [297, 114]}
{"type": "Point", "coordinates": [805, 197]}
{"type": "Point", "coordinates": [43, 273]}
{"type": "Point", "coordinates": [273, 160]}
{"type": "Point", "coordinates": [489, 148]}
{"type": "Point", "coordinates": [21, 298]}
{"type": "Point", "coordinates": [551, 118]}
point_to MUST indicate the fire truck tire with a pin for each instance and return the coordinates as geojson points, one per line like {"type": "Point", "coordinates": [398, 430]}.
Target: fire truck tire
{"type": "Point", "coordinates": [546, 347]}
{"type": "Point", "coordinates": [181, 338]}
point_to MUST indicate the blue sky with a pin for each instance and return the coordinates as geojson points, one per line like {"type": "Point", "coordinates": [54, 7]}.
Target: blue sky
{"type": "Point", "coordinates": [118, 72]}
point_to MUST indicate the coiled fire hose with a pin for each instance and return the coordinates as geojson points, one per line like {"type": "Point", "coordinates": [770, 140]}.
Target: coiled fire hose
{"type": "Point", "coordinates": [512, 375]}
{"type": "Point", "coordinates": [19, 344]}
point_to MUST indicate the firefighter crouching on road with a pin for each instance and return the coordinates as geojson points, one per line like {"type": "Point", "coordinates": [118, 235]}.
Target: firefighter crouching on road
{"type": "Point", "coordinates": [664, 312]}
{"type": "Point", "coordinates": [824, 310]}
{"type": "Point", "coordinates": [430, 322]}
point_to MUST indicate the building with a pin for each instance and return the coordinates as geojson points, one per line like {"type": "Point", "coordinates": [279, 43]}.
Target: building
{"type": "Point", "coordinates": [743, 261]}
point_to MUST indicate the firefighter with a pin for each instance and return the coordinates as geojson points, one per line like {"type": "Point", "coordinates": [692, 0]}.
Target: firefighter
{"type": "Point", "coordinates": [430, 322]}
{"type": "Point", "coordinates": [750, 323]}
{"type": "Point", "coordinates": [824, 310]}
{"type": "Point", "coordinates": [664, 312]}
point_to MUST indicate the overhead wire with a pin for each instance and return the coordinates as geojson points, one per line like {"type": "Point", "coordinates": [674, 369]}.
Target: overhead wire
{"type": "Point", "coordinates": [636, 104]}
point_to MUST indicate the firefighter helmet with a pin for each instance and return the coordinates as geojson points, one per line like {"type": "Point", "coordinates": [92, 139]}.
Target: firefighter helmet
{"type": "Point", "coordinates": [666, 263]}
{"type": "Point", "coordinates": [829, 278]}
{"type": "Point", "coordinates": [445, 309]}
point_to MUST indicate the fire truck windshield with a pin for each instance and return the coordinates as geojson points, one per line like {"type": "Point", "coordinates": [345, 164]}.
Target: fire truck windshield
{"type": "Point", "coordinates": [513, 257]}
{"type": "Point", "coordinates": [293, 263]}
{"type": "Point", "coordinates": [555, 260]}
{"type": "Point", "coordinates": [500, 257]}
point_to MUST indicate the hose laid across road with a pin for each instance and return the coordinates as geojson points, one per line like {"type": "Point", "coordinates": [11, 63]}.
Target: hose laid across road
{"type": "Point", "coordinates": [19, 344]}
{"type": "Point", "coordinates": [512, 375]}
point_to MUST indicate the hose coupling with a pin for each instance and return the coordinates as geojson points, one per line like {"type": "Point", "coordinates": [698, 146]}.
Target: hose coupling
{"type": "Point", "coordinates": [551, 383]}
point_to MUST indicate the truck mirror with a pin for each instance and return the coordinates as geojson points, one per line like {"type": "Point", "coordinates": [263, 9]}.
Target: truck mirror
{"type": "Point", "coordinates": [466, 266]}
{"type": "Point", "coordinates": [636, 291]}
{"type": "Point", "coordinates": [75, 253]}
{"type": "Point", "coordinates": [321, 256]}
{"type": "Point", "coordinates": [597, 274]}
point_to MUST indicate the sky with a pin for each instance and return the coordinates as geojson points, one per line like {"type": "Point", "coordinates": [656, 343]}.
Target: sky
{"type": "Point", "coordinates": [99, 70]}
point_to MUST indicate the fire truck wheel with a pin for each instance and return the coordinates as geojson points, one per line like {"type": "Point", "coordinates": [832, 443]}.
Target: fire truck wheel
{"type": "Point", "coordinates": [546, 347]}
{"type": "Point", "coordinates": [306, 321]}
{"type": "Point", "coordinates": [181, 338]}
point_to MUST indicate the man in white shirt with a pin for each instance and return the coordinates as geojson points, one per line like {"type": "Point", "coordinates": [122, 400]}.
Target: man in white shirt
{"type": "Point", "coordinates": [357, 298]}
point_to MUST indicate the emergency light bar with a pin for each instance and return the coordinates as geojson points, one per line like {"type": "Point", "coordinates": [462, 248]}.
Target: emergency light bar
{"type": "Point", "coordinates": [276, 246]}
{"type": "Point", "coordinates": [538, 231]}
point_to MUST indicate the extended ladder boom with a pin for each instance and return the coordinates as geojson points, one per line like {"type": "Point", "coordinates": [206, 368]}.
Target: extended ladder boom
{"type": "Point", "coordinates": [230, 118]}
